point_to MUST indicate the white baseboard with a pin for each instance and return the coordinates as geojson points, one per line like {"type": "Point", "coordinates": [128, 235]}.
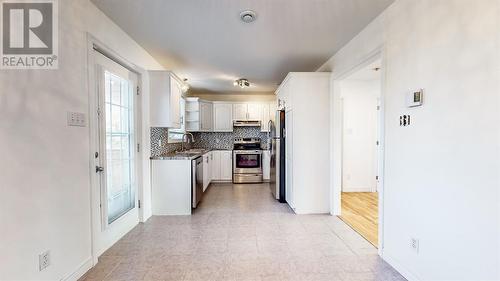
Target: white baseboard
{"type": "Point", "coordinates": [80, 271]}
{"type": "Point", "coordinates": [400, 268]}
{"type": "Point", "coordinates": [359, 189]}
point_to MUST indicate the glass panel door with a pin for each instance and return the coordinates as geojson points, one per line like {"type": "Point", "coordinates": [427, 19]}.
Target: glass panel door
{"type": "Point", "coordinates": [117, 133]}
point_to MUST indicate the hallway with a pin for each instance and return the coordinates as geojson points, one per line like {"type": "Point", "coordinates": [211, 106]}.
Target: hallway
{"type": "Point", "coordinates": [240, 233]}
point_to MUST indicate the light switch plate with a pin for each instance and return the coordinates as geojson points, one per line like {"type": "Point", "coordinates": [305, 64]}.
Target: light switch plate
{"type": "Point", "coordinates": [77, 119]}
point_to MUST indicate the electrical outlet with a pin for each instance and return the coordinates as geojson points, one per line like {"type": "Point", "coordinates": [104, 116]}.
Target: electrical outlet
{"type": "Point", "coordinates": [414, 244]}
{"type": "Point", "coordinates": [159, 142]}
{"type": "Point", "coordinates": [43, 260]}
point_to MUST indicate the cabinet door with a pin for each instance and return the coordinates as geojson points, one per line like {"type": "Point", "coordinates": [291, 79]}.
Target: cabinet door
{"type": "Point", "coordinates": [210, 164]}
{"type": "Point", "coordinates": [206, 116]}
{"type": "Point", "coordinates": [264, 127]}
{"type": "Point", "coordinates": [239, 111]}
{"type": "Point", "coordinates": [205, 172]}
{"type": "Point", "coordinates": [254, 111]}
{"type": "Point", "coordinates": [226, 165]}
{"type": "Point", "coordinates": [289, 192]}
{"type": "Point", "coordinates": [223, 117]}
{"type": "Point", "coordinates": [175, 103]}
{"type": "Point", "coordinates": [266, 165]}
{"type": "Point", "coordinates": [216, 165]}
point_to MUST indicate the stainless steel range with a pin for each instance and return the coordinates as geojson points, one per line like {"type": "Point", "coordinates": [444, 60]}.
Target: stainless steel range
{"type": "Point", "coordinates": [247, 160]}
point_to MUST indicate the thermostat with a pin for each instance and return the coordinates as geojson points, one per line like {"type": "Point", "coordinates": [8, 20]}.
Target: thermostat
{"type": "Point", "coordinates": [415, 98]}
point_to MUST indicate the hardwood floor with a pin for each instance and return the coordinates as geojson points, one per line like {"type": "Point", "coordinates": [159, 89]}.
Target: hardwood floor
{"type": "Point", "coordinates": [360, 211]}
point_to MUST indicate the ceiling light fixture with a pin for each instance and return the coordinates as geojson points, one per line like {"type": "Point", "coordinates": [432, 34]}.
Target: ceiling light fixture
{"type": "Point", "coordinates": [248, 16]}
{"type": "Point", "coordinates": [242, 83]}
{"type": "Point", "coordinates": [185, 85]}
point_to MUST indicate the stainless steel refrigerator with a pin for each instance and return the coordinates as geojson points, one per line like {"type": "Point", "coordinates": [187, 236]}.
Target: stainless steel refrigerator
{"type": "Point", "coordinates": [277, 151]}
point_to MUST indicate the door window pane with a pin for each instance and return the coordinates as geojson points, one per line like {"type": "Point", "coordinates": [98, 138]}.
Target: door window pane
{"type": "Point", "coordinates": [119, 145]}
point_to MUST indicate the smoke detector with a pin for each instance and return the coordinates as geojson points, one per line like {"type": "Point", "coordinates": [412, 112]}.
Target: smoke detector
{"type": "Point", "coordinates": [248, 16]}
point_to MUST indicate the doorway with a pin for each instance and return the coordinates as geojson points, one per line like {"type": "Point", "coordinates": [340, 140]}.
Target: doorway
{"type": "Point", "coordinates": [115, 127]}
{"type": "Point", "coordinates": [360, 95]}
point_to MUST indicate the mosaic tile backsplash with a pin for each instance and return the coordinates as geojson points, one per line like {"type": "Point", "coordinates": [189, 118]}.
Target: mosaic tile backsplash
{"type": "Point", "coordinates": [215, 140]}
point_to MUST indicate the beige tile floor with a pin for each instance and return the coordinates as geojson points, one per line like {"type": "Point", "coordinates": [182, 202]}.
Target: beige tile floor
{"type": "Point", "coordinates": [239, 232]}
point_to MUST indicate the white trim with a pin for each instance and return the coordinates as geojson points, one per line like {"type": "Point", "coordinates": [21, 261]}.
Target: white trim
{"type": "Point", "coordinates": [92, 45]}
{"type": "Point", "coordinates": [79, 271]}
{"type": "Point", "coordinates": [360, 189]}
{"type": "Point", "coordinates": [400, 268]}
{"type": "Point", "coordinates": [336, 119]}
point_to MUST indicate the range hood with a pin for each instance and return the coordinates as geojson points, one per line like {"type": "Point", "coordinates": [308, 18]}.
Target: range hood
{"type": "Point", "coordinates": [245, 123]}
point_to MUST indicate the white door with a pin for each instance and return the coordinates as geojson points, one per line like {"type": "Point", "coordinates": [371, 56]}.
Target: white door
{"type": "Point", "coordinates": [254, 111]}
{"type": "Point", "coordinates": [223, 117]}
{"type": "Point", "coordinates": [265, 118]}
{"type": "Point", "coordinates": [240, 111]}
{"type": "Point", "coordinates": [175, 103]}
{"type": "Point", "coordinates": [210, 164]}
{"type": "Point", "coordinates": [116, 159]}
{"type": "Point", "coordinates": [216, 165]}
{"type": "Point", "coordinates": [205, 171]}
{"type": "Point", "coordinates": [206, 116]}
{"type": "Point", "coordinates": [266, 165]}
{"type": "Point", "coordinates": [226, 165]}
{"type": "Point", "coordinates": [289, 160]}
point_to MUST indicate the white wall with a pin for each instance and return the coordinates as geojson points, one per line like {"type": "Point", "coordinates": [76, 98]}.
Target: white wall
{"type": "Point", "coordinates": [442, 172]}
{"type": "Point", "coordinates": [359, 149]}
{"type": "Point", "coordinates": [45, 168]}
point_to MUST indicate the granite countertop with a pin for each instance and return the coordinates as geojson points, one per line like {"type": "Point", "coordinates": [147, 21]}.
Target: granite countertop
{"type": "Point", "coordinates": [181, 155]}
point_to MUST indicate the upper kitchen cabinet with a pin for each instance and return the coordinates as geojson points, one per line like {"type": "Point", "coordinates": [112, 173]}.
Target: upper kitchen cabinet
{"type": "Point", "coordinates": [240, 111]}
{"type": "Point", "coordinates": [165, 99]}
{"type": "Point", "coordinates": [223, 117]}
{"type": "Point", "coordinates": [247, 111]}
{"type": "Point", "coordinates": [199, 115]}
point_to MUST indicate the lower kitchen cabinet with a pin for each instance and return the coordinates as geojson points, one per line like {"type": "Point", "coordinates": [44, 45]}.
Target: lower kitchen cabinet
{"type": "Point", "coordinates": [266, 165]}
{"type": "Point", "coordinates": [222, 165]}
{"type": "Point", "coordinates": [206, 170]}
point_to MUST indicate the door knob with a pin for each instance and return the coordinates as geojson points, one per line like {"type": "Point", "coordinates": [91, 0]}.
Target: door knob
{"type": "Point", "coordinates": [99, 169]}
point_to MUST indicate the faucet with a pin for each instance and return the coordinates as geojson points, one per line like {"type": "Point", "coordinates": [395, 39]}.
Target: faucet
{"type": "Point", "coordinates": [183, 137]}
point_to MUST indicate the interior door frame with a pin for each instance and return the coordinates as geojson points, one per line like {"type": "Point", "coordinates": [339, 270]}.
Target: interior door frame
{"type": "Point", "coordinates": [336, 137]}
{"type": "Point", "coordinates": [94, 45]}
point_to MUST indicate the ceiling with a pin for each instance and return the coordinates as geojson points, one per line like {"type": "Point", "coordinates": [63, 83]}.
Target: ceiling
{"type": "Point", "coordinates": [206, 42]}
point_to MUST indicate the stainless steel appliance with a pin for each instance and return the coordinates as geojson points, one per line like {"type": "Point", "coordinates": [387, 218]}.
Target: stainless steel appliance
{"type": "Point", "coordinates": [245, 123]}
{"type": "Point", "coordinates": [247, 160]}
{"type": "Point", "coordinates": [276, 137]}
{"type": "Point", "coordinates": [196, 181]}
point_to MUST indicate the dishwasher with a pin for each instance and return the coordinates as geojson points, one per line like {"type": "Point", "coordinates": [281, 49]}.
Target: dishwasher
{"type": "Point", "coordinates": [196, 181]}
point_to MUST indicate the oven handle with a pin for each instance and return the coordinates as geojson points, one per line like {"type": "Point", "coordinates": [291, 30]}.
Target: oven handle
{"type": "Point", "coordinates": [248, 152]}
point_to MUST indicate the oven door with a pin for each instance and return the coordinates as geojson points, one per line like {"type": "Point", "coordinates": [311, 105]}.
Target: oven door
{"type": "Point", "coordinates": [247, 161]}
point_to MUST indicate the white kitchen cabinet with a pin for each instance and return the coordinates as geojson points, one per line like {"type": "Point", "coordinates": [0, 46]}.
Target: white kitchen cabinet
{"type": "Point", "coordinates": [210, 166]}
{"type": "Point", "coordinates": [165, 99]}
{"type": "Point", "coordinates": [264, 127]}
{"type": "Point", "coordinates": [289, 194]}
{"type": "Point", "coordinates": [240, 111]}
{"type": "Point", "coordinates": [266, 165]}
{"type": "Point", "coordinates": [171, 187]}
{"type": "Point", "coordinates": [254, 111]}
{"type": "Point", "coordinates": [307, 155]}
{"type": "Point", "coordinates": [216, 165]}
{"type": "Point", "coordinates": [206, 116]}
{"type": "Point", "coordinates": [222, 165]}
{"type": "Point", "coordinates": [226, 165]}
{"type": "Point", "coordinates": [206, 175]}
{"type": "Point", "coordinates": [199, 115]}
{"type": "Point", "coordinates": [223, 117]}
